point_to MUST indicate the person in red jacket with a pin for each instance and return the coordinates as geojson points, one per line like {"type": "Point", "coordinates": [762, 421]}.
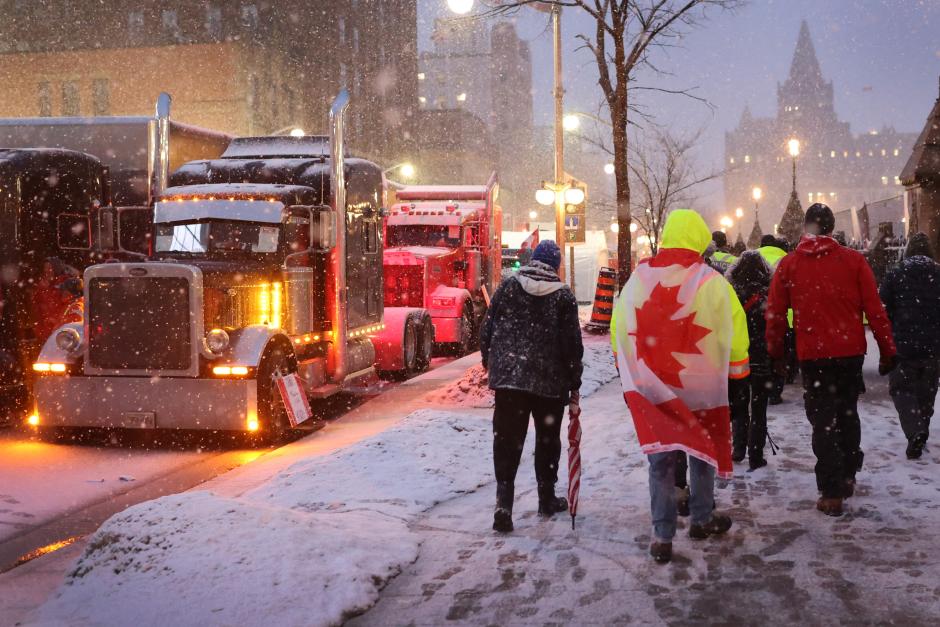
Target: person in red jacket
{"type": "Point", "coordinates": [829, 287]}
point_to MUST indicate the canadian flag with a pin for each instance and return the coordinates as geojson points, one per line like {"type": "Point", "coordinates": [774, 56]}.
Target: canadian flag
{"type": "Point", "coordinates": [673, 337]}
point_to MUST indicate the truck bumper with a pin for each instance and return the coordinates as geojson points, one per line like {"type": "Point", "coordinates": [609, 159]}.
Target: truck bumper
{"type": "Point", "coordinates": [146, 403]}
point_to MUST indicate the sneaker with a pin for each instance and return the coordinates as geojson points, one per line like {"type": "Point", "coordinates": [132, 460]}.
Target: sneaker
{"type": "Point", "coordinates": [682, 501]}
{"type": "Point", "coordinates": [502, 520]}
{"type": "Point", "coordinates": [755, 462]}
{"type": "Point", "coordinates": [661, 552]}
{"type": "Point", "coordinates": [830, 506]}
{"type": "Point", "coordinates": [552, 506]}
{"type": "Point", "coordinates": [718, 525]}
{"type": "Point", "coordinates": [915, 446]}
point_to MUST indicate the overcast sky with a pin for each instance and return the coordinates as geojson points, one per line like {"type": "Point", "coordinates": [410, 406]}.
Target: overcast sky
{"type": "Point", "coordinates": [883, 57]}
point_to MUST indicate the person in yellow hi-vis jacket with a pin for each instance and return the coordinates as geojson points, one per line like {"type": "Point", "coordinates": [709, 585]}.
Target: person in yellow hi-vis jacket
{"type": "Point", "coordinates": [680, 333]}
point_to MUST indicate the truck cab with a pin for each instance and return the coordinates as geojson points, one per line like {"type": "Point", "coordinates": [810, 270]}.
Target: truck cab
{"type": "Point", "coordinates": [442, 252]}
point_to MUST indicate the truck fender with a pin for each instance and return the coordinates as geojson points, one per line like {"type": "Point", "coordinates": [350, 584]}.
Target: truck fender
{"type": "Point", "coordinates": [247, 345]}
{"type": "Point", "coordinates": [458, 295]}
{"type": "Point", "coordinates": [51, 353]}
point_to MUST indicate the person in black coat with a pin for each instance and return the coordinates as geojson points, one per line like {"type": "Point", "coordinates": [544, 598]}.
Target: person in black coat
{"type": "Point", "coordinates": [750, 277]}
{"type": "Point", "coordinates": [911, 295]}
{"type": "Point", "coordinates": [531, 347]}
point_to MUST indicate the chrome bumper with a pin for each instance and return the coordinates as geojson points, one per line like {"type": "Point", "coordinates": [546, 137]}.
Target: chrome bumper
{"type": "Point", "coordinates": [146, 403]}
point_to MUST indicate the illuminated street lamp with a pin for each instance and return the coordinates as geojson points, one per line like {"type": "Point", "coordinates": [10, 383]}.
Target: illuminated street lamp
{"type": "Point", "coordinates": [533, 214]}
{"type": "Point", "coordinates": [608, 168]}
{"type": "Point", "coordinates": [793, 146]}
{"type": "Point", "coordinates": [407, 170]}
{"type": "Point", "coordinates": [739, 213]}
{"type": "Point", "coordinates": [633, 227]}
{"type": "Point", "coordinates": [571, 122]}
{"type": "Point", "coordinates": [726, 224]}
{"type": "Point", "coordinates": [460, 7]}
{"type": "Point", "coordinates": [548, 195]}
{"type": "Point", "coordinates": [615, 228]}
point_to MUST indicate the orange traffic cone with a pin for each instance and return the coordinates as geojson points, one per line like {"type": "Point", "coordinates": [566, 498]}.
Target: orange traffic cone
{"type": "Point", "coordinates": [603, 302]}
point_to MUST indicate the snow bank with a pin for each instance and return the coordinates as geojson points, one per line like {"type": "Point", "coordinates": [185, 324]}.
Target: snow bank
{"type": "Point", "coordinates": [471, 391]}
{"type": "Point", "coordinates": [196, 559]}
{"type": "Point", "coordinates": [311, 547]}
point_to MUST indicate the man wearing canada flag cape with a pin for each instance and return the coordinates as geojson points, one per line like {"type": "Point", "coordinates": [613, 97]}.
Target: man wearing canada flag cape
{"type": "Point", "coordinates": [679, 333]}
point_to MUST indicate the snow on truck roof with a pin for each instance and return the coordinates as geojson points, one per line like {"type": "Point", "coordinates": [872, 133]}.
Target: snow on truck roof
{"type": "Point", "coordinates": [241, 201]}
{"type": "Point", "coordinates": [443, 192]}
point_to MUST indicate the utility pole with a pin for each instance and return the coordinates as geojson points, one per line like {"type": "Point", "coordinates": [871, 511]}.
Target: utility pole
{"type": "Point", "coordinates": [559, 93]}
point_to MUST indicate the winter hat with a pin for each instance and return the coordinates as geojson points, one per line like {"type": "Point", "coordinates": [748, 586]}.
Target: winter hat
{"type": "Point", "coordinates": [819, 220]}
{"type": "Point", "coordinates": [768, 240]}
{"type": "Point", "coordinates": [919, 244]}
{"type": "Point", "coordinates": [720, 239]}
{"type": "Point", "coordinates": [548, 253]}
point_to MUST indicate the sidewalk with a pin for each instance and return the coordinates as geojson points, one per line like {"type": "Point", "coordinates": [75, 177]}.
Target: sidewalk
{"type": "Point", "coordinates": [782, 562]}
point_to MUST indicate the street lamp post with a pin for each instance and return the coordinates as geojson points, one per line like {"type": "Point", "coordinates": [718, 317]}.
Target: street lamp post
{"type": "Point", "coordinates": [794, 147]}
{"type": "Point", "coordinates": [559, 94]}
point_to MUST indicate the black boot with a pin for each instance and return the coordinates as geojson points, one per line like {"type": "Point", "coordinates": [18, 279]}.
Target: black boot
{"type": "Point", "coordinates": [549, 504]}
{"type": "Point", "coordinates": [502, 517]}
{"type": "Point", "coordinates": [915, 446]}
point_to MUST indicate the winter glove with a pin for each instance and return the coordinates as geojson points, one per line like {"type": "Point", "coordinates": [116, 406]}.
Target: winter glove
{"type": "Point", "coordinates": [887, 365]}
{"type": "Point", "coordinates": [780, 367]}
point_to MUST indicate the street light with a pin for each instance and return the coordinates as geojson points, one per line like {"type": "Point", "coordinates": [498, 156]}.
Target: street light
{"type": "Point", "coordinates": [794, 147]}
{"type": "Point", "coordinates": [533, 214]}
{"type": "Point", "coordinates": [615, 228]}
{"type": "Point", "coordinates": [406, 169]}
{"type": "Point", "coordinates": [297, 132]}
{"type": "Point", "coordinates": [739, 213]}
{"type": "Point", "coordinates": [460, 7]}
{"type": "Point", "coordinates": [566, 195]}
{"type": "Point", "coordinates": [608, 168]}
{"type": "Point", "coordinates": [633, 227]}
{"type": "Point", "coordinates": [545, 197]}
{"type": "Point", "coordinates": [571, 122]}
{"type": "Point", "coordinates": [726, 222]}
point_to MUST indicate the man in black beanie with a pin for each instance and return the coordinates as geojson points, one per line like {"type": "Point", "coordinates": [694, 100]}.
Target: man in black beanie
{"type": "Point", "coordinates": [830, 288]}
{"type": "Point", "coordinates": [531, 347]}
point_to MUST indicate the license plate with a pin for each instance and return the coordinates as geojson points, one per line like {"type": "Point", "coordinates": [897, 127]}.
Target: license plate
{"type": "Point", "coordinates": [139, 420]}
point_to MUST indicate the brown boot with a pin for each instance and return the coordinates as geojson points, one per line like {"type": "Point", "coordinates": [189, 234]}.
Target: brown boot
{"type": "Point", "coordinates": [830, 506]}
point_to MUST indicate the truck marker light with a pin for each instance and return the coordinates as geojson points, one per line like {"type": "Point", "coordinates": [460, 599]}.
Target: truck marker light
{"type": "Point", "coordinates": [42, 367]}
{"type": "Point", "coordinates": [222, 371]}
{"type": "Point", "coordinates": [33, 420]}
{"type": "Point", "coordinates": [57, 367]}
{"type": "Point", "coordinates": [276, 306]}
{"type": "Point", "coordinates": [252, 424]}
{"type": "Point", "coordinates": [239, 371]}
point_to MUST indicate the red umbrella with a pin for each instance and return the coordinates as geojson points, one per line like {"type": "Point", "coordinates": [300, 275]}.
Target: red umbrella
{"type": "Point", "coordinates": [574, 462]}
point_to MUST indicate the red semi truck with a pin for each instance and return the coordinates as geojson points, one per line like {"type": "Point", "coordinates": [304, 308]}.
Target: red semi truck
{"type": "Point", "coordinates": [442, 254]}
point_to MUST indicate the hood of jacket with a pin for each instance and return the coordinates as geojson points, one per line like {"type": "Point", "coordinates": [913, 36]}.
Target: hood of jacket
{"type": "Point", "coordinates": [817, 245]}
{"type": "Point", "coordinates": [686, 229]}
{"type": "Point", "coordinates": [539, 279]}
{"type": "Point", "coordinates": [772, 255]}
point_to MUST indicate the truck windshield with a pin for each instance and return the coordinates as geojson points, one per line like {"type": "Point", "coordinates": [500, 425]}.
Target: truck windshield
{"type": "Point", "coordinates": [215, 236]}
{"type": "Point", "coordinates": [412, 235]}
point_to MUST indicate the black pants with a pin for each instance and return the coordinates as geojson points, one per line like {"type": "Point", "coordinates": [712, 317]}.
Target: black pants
{"type": "Point", "coordinates": [913, 386]}
{"type": "Point", "coordinates": [749, 413]}
{"type": "Point", "coordinates": [510, 424]}
{"type": "Point", "coordinates": [830, 389]}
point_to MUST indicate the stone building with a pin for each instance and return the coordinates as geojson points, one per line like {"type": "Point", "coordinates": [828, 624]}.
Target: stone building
{"type": "Point", "coordinates": [248, 68]}
{"type": "Point", "coordinates": [834, 166]}
{"type": "Point", "coordinates": [921, 178]}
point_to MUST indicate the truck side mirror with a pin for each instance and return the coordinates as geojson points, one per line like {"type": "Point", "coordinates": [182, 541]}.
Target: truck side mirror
{"type": "Point", "coordinates": [74, 231]}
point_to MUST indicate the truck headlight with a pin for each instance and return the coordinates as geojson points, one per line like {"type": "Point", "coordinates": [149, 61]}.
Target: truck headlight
{"type": "Point", "coordinates": [217, 341]}
{"type": "Point", "coordinates": [68, 340]}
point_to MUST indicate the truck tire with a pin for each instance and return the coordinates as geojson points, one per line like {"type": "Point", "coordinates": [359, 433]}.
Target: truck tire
{"type": "Point", "coordinates": [273, 422]}
{"type": "Point", "coordinates": [425, 342]}
{"type": "Point", "coordinates": [409, 346]}
{"type": "Point", "coordinates": [467, 332]}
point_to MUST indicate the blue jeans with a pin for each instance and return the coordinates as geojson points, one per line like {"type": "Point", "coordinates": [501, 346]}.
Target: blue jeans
{"type": "Point", "coordinates": [663, 493]}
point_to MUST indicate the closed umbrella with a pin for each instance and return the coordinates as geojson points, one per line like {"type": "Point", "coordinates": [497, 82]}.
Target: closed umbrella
{"type": "Point", "coordinates": [574, 462]}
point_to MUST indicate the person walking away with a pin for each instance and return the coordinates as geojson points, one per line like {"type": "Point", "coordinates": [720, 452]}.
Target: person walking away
{"type": "Point", "coordinates": [750, 277]}
{"type": "Point", "coordinates": [719, 257]}
{"type": "Point", "coordinates": [531, 347]}
{"type": "Point", "coordinates": [829, 287]}
{"type": "Point", "coordinates": [680, 334]}
{"type": "Point", "coordinates": [911, 295]}
{"type": "Point", "coordinates": [773, 249]}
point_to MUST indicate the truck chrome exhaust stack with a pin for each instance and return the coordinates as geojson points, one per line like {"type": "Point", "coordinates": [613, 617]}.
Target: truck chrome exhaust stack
{"type": "Point", "coordinates": [158, 161]}
{"type": "Point", "coordinates": [339, 294]}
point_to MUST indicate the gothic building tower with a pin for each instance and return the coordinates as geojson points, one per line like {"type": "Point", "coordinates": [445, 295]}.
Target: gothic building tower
{"type": "Point", "coordinates": [834, 166]}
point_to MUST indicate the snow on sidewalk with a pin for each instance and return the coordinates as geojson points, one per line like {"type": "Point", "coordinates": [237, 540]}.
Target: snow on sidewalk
{"type": "Point", "coordinates": [781, 563]}
{"type": "Point", "coordinates": [312, 546]}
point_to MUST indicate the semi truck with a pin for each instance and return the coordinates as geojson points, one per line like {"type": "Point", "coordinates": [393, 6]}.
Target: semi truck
{"type": "Point", "coordinates": [267, 263]}
{"type": "Point", "coordinates": [443, 254]}
{"type": "Point", "coordinates": [78, 190]}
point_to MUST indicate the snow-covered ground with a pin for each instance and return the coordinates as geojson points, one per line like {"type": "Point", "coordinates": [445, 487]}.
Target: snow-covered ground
{"type": "Point", "coordinates": [413, 506]}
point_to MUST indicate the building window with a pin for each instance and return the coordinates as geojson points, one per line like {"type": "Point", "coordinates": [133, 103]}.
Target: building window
{"type": "Point", "coordinates": [71, 103]}
{"type": "Point", "coordinates": [832, 154]}
{"type": "Point", "coordinates": [747, 158]}
{"type": "Point", "coordinates": [896, 152]}
{"type": "Point", "coordinates": [731, 160]}
{"type": "Point", "coordinates": [342, 30]}
{"type": "Point", "coordinates": [343, 72]}
{"type": "Point", "coordinates": [100, 97]}
{"type": "Point", "coordinates": [421, 76]}
{"type": "Point", "coordinates": [845, 153]}
{"type": "Point", "coordinates": [422, 100]}
{"type": "Point", "coordinates": [214, 21]}
{"type": "Point", "coordinates": [249, 16]}
{"type": "Point", "coordinates": [355, 41]}
{"type": "Point", "coordinates": [45, 99]}
{"type": "Point", "coordinates": [858, 153]}
{"type": "Point", "coordinates": [884, 153]}
{"type": "Point", "coordinates": [135, 25]}
{"type": "Point", "coordinates": [170, 23]}
{"type": "Point", "coordinates": [810, 197]}
{"type": "Point", "coordinates": [897, 180]}
{"type": "Point", "coordinates": [884, 180]}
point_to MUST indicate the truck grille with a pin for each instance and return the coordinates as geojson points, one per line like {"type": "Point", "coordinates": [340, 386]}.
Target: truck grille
{"type": "Point", "coordinates": [404, 286]}
{"type": "Point", "coordinates": [139, 323]}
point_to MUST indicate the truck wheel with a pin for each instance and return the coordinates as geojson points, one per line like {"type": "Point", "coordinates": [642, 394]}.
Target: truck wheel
{"type": "Point", "coordinates": [425, 343]}
{"type": "Point", "coordinates": [272, 415]}
{"type": "Point", "coordinates": [409, 346]}
{"type": "Point", "coordinates": [465, 343]}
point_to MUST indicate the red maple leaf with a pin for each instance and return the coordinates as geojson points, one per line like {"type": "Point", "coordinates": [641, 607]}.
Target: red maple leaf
{"type": "Point", "coordinates": [659, 337]}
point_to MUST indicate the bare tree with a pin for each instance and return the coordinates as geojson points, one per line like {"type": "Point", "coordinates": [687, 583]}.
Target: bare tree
{"type": "Point", "coordinates": [663, 176]}
{"type": "Point", "coordinates": [626, 33]}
